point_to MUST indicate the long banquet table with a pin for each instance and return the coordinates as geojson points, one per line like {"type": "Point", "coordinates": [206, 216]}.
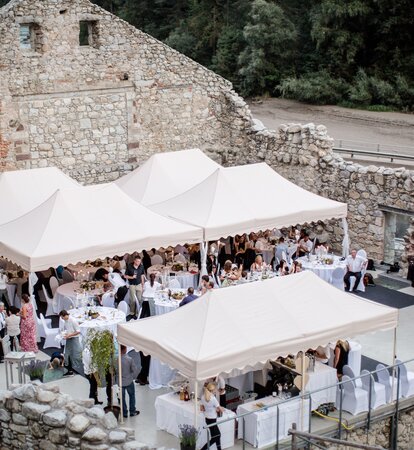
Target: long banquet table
{"type": "Point", "coordinates": [261, 425]}
{"type": "Point", "coordinates": [171, 412]}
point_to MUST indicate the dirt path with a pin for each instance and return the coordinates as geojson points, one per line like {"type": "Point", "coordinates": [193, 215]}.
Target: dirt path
{"type": "Point", "coordinates": [356, 128]}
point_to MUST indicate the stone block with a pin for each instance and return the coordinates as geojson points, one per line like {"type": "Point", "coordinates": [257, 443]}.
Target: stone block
{"type": "Point", "coordinates": [34, 410]}
{"type": "Point", "coordinates": [55, 418]}
{"type": "Point", "coordinates": [78, 423]}
{"type": "Point", "coordinates": [117, 437]}
{"type": "Point", "coordinates": [19, 419]}
{"type": "Point", "coordinates": [96, 412]}
{"type": "Point", "coordinates": [44, 444]}
{"type": "Point", "coordinates": [4, 415]}
{"type": "Point", "coordinates": [58, 435]}
{"type": "Point", "coordinates": [109, 421]}
{"type": "Point", "coordinates": [95, 434]}
{"type": "Point", "coordinates": [46, 396]}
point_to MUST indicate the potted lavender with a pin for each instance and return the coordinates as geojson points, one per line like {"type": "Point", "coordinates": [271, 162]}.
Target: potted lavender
{"type": "Point", "coordinates": [188, 437]}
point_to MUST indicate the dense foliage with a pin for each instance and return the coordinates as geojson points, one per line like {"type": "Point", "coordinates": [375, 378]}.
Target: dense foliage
{"type": "Point", "coordinates": [360, 52]}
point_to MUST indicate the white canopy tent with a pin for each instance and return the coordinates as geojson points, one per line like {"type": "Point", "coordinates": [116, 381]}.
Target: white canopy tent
{"type": "Point", "coordinates": [93, 222]}
{"type": "Point", "coordinates": [242, 327]}
{"type": "Point", "coordinates": [23, 190]}
{"type": "Point", "coordinates": [166, 175]}
{"type": "Point", "coordinates": [269, 201]}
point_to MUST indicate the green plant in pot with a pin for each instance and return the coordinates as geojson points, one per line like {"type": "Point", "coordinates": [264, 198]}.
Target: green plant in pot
{"type": "Point", "coordinates": [35, 369]}
{"type": "Point", "coordinates": [101, 345]}
{"type": "Point", "coordinates": [188, 437]}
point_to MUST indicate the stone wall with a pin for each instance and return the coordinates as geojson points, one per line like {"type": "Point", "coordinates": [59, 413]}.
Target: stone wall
{"type": "Point", "coordinates": [97, 110]}
{"type": "Point", "coordinates": [38, 417]}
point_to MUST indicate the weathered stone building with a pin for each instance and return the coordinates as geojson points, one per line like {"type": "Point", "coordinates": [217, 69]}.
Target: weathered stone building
{"type": "Point", "coordinates": [84, 91]}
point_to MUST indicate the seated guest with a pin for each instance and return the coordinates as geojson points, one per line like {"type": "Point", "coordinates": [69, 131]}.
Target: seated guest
{"type": "Point", "coordinates": [354, 266]}
{"type": "Point", "coordinates": [116, 280]}
{"type": "Point", "coordinates": [101, 275]}
{"type": "Point", "coordinates": [190, 297]}
{"type": "Point", "coordinates": [258, 264]}
{"type": "Point", "coordinates": [228, 274]}
{"type": "Point", "coordinates": [281, 248]}
{"type": "Point", "coordinates": [296, 267]}
{"type": "Point", "coordinates": [304, 247]}
{"type": "Point", "coordinates": [282, 268]}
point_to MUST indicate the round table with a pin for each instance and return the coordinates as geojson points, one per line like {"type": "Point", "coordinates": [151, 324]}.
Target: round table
{"type": "Point", "coordinates": [323, 271]}
{"type": "Point", "coordinates": [165, 305]}
{"type": "Point", "coordinates": [66, 296]}
{"type": "Point", "coordinates": [108, 319]}
{"type": "Point", "coordinates": [165, 274]}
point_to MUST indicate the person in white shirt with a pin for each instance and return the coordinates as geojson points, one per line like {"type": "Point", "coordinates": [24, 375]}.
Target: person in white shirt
{"type": "Point", "coordinates": [281, 248]}
{"type": "Point", "coordinates": [116, 280]}
{"type": "Point", "coordinates": [211, 408]}
{"type": "Point", "coordinates": [2, 329]}
{"type": "Point", "coordinates": [305, 246]}
{"type": "Point", "coordinates": [354, 264]}
{"type": "Point", "coordinates": [13, 326]}
{"type": "Point", "coordinates": [148, 294]}
{"type": "Point", "coordinates": [73, 348]}
{"type": "Point", "coordinates": [4, 296]}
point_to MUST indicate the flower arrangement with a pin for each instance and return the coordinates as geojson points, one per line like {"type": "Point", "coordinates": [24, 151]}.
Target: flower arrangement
{"type": "Point", "coordinates": [188, 436]}
{"type": "Point", "coordinates": [87, 285]}
{"type": "Point", "coordinates": [35, 369]}
{"type": "Point", "coordinates": [177, 267]}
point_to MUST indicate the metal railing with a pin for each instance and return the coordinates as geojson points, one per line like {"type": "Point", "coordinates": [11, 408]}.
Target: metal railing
{"type": "Point", "coordinates": [364, 420]}
{"type": "Point", "coordinates": [391, 156]}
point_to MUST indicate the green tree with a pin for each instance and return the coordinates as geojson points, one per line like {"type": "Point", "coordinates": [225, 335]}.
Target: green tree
{"type": "Point", "coordinates": [270, 47]}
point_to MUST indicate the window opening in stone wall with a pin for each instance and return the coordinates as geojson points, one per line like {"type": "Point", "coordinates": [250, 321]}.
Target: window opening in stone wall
{"type": "Point", "coordinates": [31, 37]}
{"type": "Point", "coordinates": [396, 226]}
{"type": "Point", "coordinates": [88, 33]}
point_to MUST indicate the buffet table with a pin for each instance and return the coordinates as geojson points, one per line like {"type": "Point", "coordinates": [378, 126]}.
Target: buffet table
{"type": "Point", "coordinates": [108, 319]}
{"type": "Point", "coordinates": [171, 412]}
{"type": "Point", "coordinates": [261, 426]}
{"type": "Point", "coordinates": [322, 376]}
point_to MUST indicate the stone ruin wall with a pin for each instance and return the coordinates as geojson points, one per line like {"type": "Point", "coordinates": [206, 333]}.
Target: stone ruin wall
{"type": "Point", "coordinates": [95, 111]}
{"type": "Point", "coordinates": [37, 416]}
{"type": "Point", "coordinates": [69, 106]}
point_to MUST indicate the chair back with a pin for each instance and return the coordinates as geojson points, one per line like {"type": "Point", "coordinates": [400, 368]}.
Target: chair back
{"type": "Point", "coordinates": [384, 378]}
{"type": "Point", "coordinates": [67, 303]}
{"type": "Point", "coordinates": [362, 253]}
{"type": "Point", "coordinates": [349, 387]}
{"type": "Point", "coordinates": [346, 370]}
{"type": "Point", "coordinates": [45, 327]}
{"type": "Point", "coordinates": [366, 378]}
{"type": "Point", "coordinates": [5, 342]}
{"type": "Point", "coordinates": [54, 284]}
{"type": "Point", "coordinates": [33, 302]}
{"type": "Point", "coordinates": [180, 258]}
{"type": "Point", "coordinates": [108, 300]}
{"type": "Point", "coordinates": [122, 306]}
{"type": "Point", "coordinates": [67, 276]}
{"type": "Point", "coordinates": [174, 284]}
{"type": "Point", "coordinates": [156, 259]}
{"type": "Point", "coordinates": [48, 299]}
{"type": "Point", "coordinates": [404, 386]}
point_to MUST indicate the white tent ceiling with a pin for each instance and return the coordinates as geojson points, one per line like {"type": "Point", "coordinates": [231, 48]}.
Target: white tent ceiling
{"type": "Point", "coordinates": [242, 199]}
{"type": "Point", "coordinates": [242, 327]}
{"type": "Point", "coordinates": [92, 222]}
{"type": "Point", "coordinates": [165, 175]}
{"type": "Point", "coordinates": [23, 190]}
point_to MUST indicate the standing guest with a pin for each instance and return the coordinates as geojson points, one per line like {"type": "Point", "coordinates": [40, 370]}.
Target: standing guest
{"type": "Point", "coordinates": [189, 297]}
{"type": "Point", "coordinates": [22, 286]}
{"type": "Point", "coordinates": [28, 340]}
{"type": "Point", "coordinates": [129, 372]}
{"type": "Point", "coordinates": [135, 275]}
{"type": "Point", "coordinates": [304, 246]}
{"type": "Point", "coordinates": [211, 408]}
{"type": "Point", "coordinates": [146, 260]}
{"type": "Point", "coordinates": [88, 371]}
{"type": "Point", "coordinates": [148, 294]}
{"type": "Point", "coordinates": [341, 356]}
{"type": "Point", "coordinates": [354, 266]}
{"type": "Point", "coordinates": [2, 329]}
{"type": "Point", "coordinates": [13, 327]}
{"type": "Point", "coordinates": [4, 296]}
{"type": "Point", "coordinates": [281, 248]}
{"type": "Point", "coordinates": [73, 349]}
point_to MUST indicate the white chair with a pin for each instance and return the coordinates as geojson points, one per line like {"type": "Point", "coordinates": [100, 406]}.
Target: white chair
{"type": "Point", "coordinates": [385, 379]}
{"type": "Point", "coordinates": [347, 370]}
{"type": "Point", "coordinates": [67, 303]}
{"type": "Point", "coordinates": [378, 394]}
{"type": "Point", "coordinates": [156, 259]}
{"type": "Point", "coordinates": [50, 334]}
{"type": "Point", "coordinates": [54, 284]}
{"type": "Point", "coordinates": [123, 306]}
{"type": "Point", "coordinates": [33, 302]}
{"type": "Point", "coordinates": [49, 311]}
{"type": "Point", "coordinates": [354, 400]}
{"type": "Point", "coordinates": [362, 253]}
{"type": "Point", "coordinates": [5, 343]}
{"type": "Point", "coordinates": [40, 328]}
{"type": "Point", "coordinates": [108, 300]}
{"type": "Point", "coordinates": [174, 284]}
{"type": "Point", "coordinates": [407, 380]}
{"type": "Point", "coordinates": [291, 252]}
{"type": "Point", "coordinates": [67, 276]}
{"type": "Point", "coordinates": [180, 258]}
{"type": "Point", "coordinates": [337, 278]}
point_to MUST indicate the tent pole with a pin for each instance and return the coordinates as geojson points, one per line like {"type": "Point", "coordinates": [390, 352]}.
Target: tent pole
{"type": "Point", "coordinates": [120, 381]}
{"type": "Point", "coordinates": [345, 242]}
{"type": "Point", "coordinates": [196, 404]}
{"type": "Point", "coordinates": [302, 391]}
{"type": "Point", "coordinates": [394, 357]}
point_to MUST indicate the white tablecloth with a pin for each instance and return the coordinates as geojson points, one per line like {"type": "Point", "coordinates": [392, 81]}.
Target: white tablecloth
{"type": "Point", "coordinates": [323, 271]}
{"type": "Point", "coordinates": [322, 376]}
{"type": "Point", "coordinates": [186, 279]}
{"type": "Point", "coordinates": [171, 412]}
{"type": "Point", "coordinates": [261, 426]}
{"type": "Point", "coordinates": [354, 356]}
{"type": "Point", "coordinates": [67, 291]}
{"type": "Point", "coordinates": [11, 291]}
{"type": "Point", "coordinates": [108, 319]}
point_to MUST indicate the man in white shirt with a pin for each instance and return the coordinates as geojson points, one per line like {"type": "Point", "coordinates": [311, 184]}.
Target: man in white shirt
{"type": "Point", "coordinates": [4, 296]}
{"type": "Point", "coordinates": [354, 265]}
{"type": "Point", "coordinates": [73, 349]}
{"type": "Point", "coordinates": [305, 246]}
{"type": "Point", "coordinates": [281, 248]}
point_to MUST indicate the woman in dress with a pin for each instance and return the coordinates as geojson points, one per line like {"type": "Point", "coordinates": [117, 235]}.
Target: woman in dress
{"type": "Point", "coordinates": [228, 275]}
{"type": "Point", "coordinates": [148, 294]}
{"type": "Point", "coordinates": [341, 356]}
{"type": "Point", "coordinates": [28, 341]}
{"type": "Point", "coordinates": [258, 264]}
{"type": "Point", "coordinates": [211, 408]}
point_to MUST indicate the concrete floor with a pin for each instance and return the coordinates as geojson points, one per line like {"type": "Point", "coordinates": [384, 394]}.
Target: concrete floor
{"type": "Point", "coordinates": [378, 346]}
